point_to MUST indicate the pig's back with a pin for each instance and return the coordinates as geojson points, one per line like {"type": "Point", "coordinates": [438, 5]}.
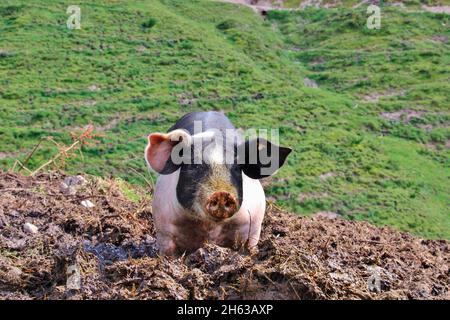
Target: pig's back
{"type": "Point", "coordinates": [209, 120]}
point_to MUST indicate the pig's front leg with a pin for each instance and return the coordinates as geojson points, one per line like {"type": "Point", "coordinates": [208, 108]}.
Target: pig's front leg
{"type": "Point", "coordinates": [244, 229]}
{"type": "Point", "coordinates": [253, 237]}
{"type": "Point", "coordinates": [252, 231]}
{"type": "Point", "coordinates": [252, 212]}
{"type": "Point", "coordinates": [166, 244]}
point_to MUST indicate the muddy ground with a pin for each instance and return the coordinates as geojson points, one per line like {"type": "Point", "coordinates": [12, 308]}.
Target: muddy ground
{"type": "Point", "coordinates": [111, 247]}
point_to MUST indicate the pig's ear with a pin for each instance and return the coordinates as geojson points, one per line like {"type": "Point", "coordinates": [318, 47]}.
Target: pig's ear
{"type": "Point", "coordinates": [259, 158]}
{"type": "Point", "coordinates": [159, 150]}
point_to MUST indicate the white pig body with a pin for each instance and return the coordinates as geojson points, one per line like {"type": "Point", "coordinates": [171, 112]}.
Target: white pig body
{"type": "Point", "coordinates": [208, 187]}
{"type": "Point", "coordinates": [179, 230]}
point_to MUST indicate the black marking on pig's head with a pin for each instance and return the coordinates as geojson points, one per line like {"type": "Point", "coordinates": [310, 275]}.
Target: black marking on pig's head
{"type": "Point", "coordinates": [191, 176]}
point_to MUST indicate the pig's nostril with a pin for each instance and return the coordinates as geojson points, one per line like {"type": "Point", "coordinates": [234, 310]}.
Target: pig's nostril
{"type": "Point", "coordinates": [229, 204]}
{"type": "Point", "coordinates": [213, 205]}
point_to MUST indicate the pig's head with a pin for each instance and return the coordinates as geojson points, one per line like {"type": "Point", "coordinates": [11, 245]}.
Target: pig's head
{"type": "Point", "coordinates": [211, 168]}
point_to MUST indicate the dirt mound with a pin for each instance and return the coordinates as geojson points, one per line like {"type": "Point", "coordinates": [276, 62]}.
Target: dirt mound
{"type": "Point", "coordinates": [109, 251]}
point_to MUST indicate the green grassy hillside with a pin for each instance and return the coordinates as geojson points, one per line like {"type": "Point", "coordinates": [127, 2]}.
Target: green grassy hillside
{"type": "Point", "coordinates": [134, 68]}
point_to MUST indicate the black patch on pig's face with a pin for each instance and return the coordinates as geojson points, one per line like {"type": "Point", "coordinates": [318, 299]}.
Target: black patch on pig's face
{"type": "Point", "coordinates": [191, 176]}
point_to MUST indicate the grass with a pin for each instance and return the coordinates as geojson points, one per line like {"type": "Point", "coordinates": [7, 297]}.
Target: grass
{"type": "Point", "coordinates": [135, 67]}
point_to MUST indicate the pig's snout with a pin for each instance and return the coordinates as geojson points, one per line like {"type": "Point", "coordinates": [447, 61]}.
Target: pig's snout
{"type": "Point", "coordinates": [221, 205]}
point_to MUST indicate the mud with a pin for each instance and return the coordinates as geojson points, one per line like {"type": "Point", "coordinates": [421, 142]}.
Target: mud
{"type": "Point", "coordinates": [109, 252]}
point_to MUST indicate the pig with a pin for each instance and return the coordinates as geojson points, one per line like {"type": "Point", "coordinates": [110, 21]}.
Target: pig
{"type": "Point", "coordinates": [216, 197]}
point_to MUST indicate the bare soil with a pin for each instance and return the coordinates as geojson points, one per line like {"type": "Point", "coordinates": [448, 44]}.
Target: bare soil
{"type": "Point", "coordinates": [112, 248]}
{"type": "Point", "coordinates": [405, 115]}
{"type": "Point", "coordinates": [437, 9]}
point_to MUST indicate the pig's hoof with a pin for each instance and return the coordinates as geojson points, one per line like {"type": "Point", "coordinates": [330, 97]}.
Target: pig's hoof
{"type": "Point", "coordinates": [221, 205]}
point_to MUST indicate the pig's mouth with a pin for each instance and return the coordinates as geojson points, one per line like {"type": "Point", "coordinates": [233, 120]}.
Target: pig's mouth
{"type": "Point", "coordinates": [221, 205]}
